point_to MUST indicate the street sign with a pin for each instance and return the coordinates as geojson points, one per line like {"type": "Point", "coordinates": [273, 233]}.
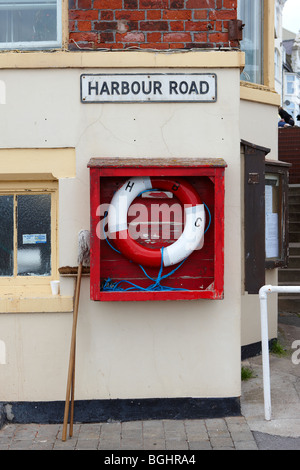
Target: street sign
{"type": "Point", "coordinates": [155, 87]}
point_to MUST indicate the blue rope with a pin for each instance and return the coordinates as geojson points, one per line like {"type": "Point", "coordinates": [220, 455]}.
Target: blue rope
{"type": "Point", "coordinates": [209, 215]}
{"type": "Point", "coordinates": [111, 286]}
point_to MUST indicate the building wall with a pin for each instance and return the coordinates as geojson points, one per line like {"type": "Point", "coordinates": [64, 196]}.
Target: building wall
{"type": "Point", "coordinates": [130, 349]}
{"type": "Point", "coordinates": [155, 24]}
{"type": "Point", "coordinates": [127, 350]}
{"type": "Point", "coordinates": [279, 6]}
{"type": "Point", "coordinates": [258, 123]}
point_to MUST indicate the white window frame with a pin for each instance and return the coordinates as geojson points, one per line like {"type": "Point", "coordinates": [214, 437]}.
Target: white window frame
{"type": "Point", "coordinates": [290, 81]}
{"type": "Point", "coordinates": [277, 64]}
{"type": "Point", "coordinates": [36, 45]}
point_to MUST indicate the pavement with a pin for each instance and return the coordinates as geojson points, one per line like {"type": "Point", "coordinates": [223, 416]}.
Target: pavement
{"type": "Point", "coordinates": [250, 431]}
{"type": "Point", "coordinates": [282, 432]}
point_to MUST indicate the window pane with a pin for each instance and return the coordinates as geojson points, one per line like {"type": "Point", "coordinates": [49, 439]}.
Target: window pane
{"type": "Point", "coordinates": [6, 235]}
{"type": "Point", "coordinates": [290, 85]}
{"type": "Point", "coordinates": [251, 13]}
{"type": "Point", "coordinates": [34, 235]}
{"type": "Point", "coordinates": [25, 21]}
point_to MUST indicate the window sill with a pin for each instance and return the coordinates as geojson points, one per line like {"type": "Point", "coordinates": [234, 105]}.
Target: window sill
{"type": "Point", "coordinates": [38, 304]}
{"type": "Point", "coordinates": [127, 59]}
{"type": "Point", "coordinates": [259, 93]}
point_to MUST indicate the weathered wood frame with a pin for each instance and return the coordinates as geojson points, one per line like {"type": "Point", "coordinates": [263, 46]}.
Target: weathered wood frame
{"type": "Point", "coordinates": [255, 168]}
{"type": "Point", "coordinates": [213, 169]}
{"type": "Point", "coordinates": [282, 170]}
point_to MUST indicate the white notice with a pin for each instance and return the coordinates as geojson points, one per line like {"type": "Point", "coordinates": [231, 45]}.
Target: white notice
{"type": "Point", "coordinates": [269, 198]}
{"type": "Point", "coordinates": [34, 238]}
{"type": "Point", "coordinates": [272, 236]}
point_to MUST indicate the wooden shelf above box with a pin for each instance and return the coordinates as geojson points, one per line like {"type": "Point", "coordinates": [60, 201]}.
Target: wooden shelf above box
{"type": "Point", "coordinates": [144, 162]}
{"type": "Point", "coordinates": [202, 273]}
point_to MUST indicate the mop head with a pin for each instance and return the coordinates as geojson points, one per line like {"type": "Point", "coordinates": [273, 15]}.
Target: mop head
{"type": "Point", "coordinates": [84, 247]}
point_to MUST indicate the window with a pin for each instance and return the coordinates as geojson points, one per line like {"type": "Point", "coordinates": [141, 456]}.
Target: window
{"type": "Point", "coordinates": [276, 214]}
{"type": "Point", "coordinates": [27, 235]}
{"type": "Point", "coordinates": [290, 84]}
{"type": "Point", "coordinates": [252, 15]}
{"type": "Point", "coordinates": [30, 24]}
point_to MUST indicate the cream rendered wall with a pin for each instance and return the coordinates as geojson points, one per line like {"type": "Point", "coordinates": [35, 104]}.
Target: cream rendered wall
{"type": "Point", "coordinates": [124, 350]}
{"type": "Point", "coordinates": [259, 125]}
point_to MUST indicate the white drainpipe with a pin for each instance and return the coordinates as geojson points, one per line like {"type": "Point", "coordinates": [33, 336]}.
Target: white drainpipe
{"type": "Point", "coordinates": [263, 297]}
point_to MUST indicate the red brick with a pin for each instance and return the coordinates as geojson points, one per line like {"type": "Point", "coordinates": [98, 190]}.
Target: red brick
{"type": "Point", "coordinates": [176, 45]}
{"type": "Point", "coordinates": [108, 4]}
{"type": "Point", "coordinates": [225, 14]}
{"type": "Point", "coordinates": [130, 15]}
{"type": "Point", "coordinates": [230, 4]}
{"type": "Point", "coordinates": [177, 37]}
{"type": "Point", "coordinates": [177, 14]}
{"type": "Point", "coordinates": [197, 26]}
{"type": "Point", "coordinates": [84, 25]}
{"type": "Point", "coordinates": [84, 4]}
{"type": "Point", "coordinates": [218, 37]}
{"type": "Point", "coordinates": [153, 37]}
{"type": "Point", "coordinates": [157, 4]}
{"type": "Point", "coordinates": [107, 37]}
{"type": "Point", "coordinates": [176, 3]}
{"type": "Point", "coordinates": [130, 25]}
{"type": "Point", "coordinates": [107, 15]}
{"type": "Point", "coordinates": [131, 4]}
{"type": "Point", "coordinates": [200, 14]}
{"type": "Point", "coordinates": [130, 37]}
{"type": "Point", "coordinates": [200, 4]}
{"type": "Point", "coordinates": [177, 25]}
{"type": "Point", "coordinates": [154, 26]}
{"type": "Point", "coordinates": [200, 37]}
{"type": "Point", "coordinates": [155, 45]}
{"type": "Point", "coordinates": [84, 37]}
{"type": "Point", "coordinates": [83, 15]}
{"type": "Point", "coordinates": [154, 14]}
{"type": "Point", "coordinates": [105, 25]}
{"type": "Point", "coordinates": [219, 25]}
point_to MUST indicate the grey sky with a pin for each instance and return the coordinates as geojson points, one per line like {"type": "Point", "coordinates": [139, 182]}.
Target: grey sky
{"type": "Point", "coordinates": [291, 16]}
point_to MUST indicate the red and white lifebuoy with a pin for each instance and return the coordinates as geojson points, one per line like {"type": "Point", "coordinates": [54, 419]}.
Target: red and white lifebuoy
{"type": "Point", "coordinates": [191, 238]}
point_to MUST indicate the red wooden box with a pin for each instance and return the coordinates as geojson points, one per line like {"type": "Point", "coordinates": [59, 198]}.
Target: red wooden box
{"type": "Point", "coordinates": [201, 276]}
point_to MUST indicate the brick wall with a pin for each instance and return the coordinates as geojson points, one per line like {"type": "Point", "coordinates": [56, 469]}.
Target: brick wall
{"type": "Point", "coordinates": [289, 151]}
{"type": "Point", "coordinates": [150, 24]}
